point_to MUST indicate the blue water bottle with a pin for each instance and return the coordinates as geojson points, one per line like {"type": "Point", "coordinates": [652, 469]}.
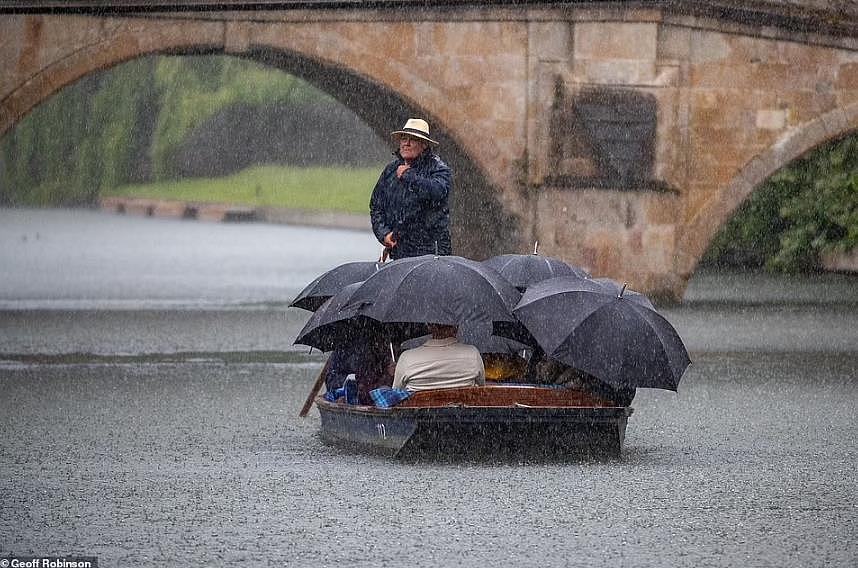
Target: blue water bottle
{"type": "Point", "coordinates": [351, 388]}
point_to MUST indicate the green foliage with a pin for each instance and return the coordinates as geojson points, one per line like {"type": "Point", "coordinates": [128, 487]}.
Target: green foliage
{"type": "Point", "coordinates": [320, 189]}
{"type": "Point", "coordinates": [807, 209]}
{"type": "Point", "coordinates": [116, 127]}
{"type": "Point", "coordinates": [823, 216]}
{"type": "Point", "coordinates": [79, 141]}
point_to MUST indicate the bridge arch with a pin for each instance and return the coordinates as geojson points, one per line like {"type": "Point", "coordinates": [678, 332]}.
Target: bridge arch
{"type": "Point", "coordinates": [738, 95]}
{"type": "Point", "coordinates": [481, 223]}
{"type": "Point", "coordinates": [702, 229]}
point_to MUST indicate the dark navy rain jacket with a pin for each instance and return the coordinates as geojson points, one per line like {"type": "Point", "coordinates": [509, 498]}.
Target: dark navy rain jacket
{"type": "Point", "coordinates": [415, 208]}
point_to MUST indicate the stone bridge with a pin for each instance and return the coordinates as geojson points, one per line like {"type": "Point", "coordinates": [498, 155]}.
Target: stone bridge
{"type": "Point", "coordinates": [620, 135]}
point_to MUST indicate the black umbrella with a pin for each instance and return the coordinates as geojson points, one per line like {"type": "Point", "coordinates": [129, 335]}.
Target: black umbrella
{"type": "Point", "coordinates": [522, 270]}
{"type": "Point", "coordinates": [319, 290]}
{"type": "Point", "coordinates": [331, 326]}
{"type": "Point", "coordinates": [479, 334]}
{"type": "Point", "coordinates": [446, 290]}
{"type": "Point", "coordinates": [338, 324]}
{"type": "Point", "coordinates": [590, 326]}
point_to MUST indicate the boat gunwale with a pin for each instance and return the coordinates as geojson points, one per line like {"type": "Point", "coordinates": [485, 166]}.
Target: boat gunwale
{"type": "Point", "coordinates": [481, 412]}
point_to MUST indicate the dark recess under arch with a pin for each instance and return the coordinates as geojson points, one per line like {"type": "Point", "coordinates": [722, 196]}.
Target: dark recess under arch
{"type": "Point", "coordinates": [480, 225]}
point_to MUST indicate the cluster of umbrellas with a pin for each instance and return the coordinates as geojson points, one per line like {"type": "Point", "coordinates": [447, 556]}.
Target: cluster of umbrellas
{"type": "Point", "coordinates": [503, 305]}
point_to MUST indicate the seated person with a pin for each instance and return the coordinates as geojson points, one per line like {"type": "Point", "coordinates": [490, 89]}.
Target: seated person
{"type": "Point", "coordinates": [546, 370]}
{"type": "Point", "coordinates": [368, 359]}
{"type": "Point", "coordinates": [441, 362]}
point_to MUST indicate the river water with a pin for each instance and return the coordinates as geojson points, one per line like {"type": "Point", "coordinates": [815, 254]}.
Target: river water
{"type": "Point", "coordinates": [150, 393]}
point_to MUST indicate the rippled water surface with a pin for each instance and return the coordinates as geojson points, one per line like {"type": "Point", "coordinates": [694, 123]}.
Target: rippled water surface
{"type": "Point", "coordinates": [150, 396]}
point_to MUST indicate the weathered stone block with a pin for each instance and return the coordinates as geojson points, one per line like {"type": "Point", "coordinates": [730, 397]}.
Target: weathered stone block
{"type": "Point", "coordinates": [708, 47]}
{"type": "Point", "coordinates": [237, 37]}
{"type": "Point", "coordinates": [616, 72]}
{"type": "Point", "coordinates": [143, 207]}
{"type": "Point", "coordinates": [847, 76]}
{"type": "Point", "coordinates": [673, 44]}
{"type": "Point", "coordinates": [615, 40]}
{"type": "Point", "coordinates": [659, 244]}
{"type": "Point", "coordinates": [722, 76]}
{"type": "Point", "coordinates": [550, 41]}
{"type": "Point", "coordinates": [771, 119]}
{"type": "Point", "coordinates": [175, 209]}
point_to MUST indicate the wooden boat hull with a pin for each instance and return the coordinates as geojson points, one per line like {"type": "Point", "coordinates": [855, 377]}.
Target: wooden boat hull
{"type": "Point", "coordinates": [513, 431]}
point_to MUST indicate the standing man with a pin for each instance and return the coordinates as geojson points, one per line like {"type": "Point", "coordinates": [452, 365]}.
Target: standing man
{"type": "Point", "coordinates": [409, 207]}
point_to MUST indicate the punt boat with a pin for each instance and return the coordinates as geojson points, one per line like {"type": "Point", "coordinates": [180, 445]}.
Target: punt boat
{"type": "Point", "coordinates": [495, 421]}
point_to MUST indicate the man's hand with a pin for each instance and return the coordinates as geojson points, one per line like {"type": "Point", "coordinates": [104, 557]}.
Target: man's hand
{"type": "Point", "coordinates": [389, 241]}
{"type": "Point", "coordinates": [402, 169]}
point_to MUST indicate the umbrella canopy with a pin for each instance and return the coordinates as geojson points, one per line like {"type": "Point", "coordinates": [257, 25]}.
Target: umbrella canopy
{"type": "Point", "coordinates": [522, 270]}
{"type": "Point", "coordinates": [446, 290]}
{"type": "Point", "coordinates": [479, 334]}
{"type": "Point", "coordinates": [332, 326]}
{"type": "Point", "coordinates": [587, 325]}
{"type": "Point", "coordinates": [337, 324]}
{"type": "Point", "coordinates": [319, 290]}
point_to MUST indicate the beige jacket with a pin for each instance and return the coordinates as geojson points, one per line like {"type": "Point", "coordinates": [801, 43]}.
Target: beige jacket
{"type": "Point", "coordinates": [439, 364]}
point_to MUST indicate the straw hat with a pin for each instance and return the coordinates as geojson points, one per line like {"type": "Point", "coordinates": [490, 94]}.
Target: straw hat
{"type": "Point", "coordinates": [416, 127]}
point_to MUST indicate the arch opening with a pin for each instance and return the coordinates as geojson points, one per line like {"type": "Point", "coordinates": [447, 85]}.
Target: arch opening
{"type": "Point", "coordinates": [480, 224]}
{"type": "Point", "coordinates": [800, 216]}
{"type": "Point", "coordinates": [794, 146]}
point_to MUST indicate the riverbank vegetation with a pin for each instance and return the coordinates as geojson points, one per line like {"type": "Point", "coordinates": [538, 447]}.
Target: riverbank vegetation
{"type": "Point", "coordinates": [329, 189]}
{"type": "Point", "coordinates": [223, 129]}
{"type": "Point", "coordinates": [806, 210]}
{"type": "Point", "coordinates": [155, 119]}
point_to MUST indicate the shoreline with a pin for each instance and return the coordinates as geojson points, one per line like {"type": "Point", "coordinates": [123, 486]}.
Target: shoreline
{"type": "Point", "coordinates": [843, 263]}
{"type": "Point", "coordinates": [233, 213]}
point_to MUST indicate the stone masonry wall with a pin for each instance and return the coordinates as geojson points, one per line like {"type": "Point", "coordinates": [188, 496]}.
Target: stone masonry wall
{"type": "Point", "coordinates": [734, 103]}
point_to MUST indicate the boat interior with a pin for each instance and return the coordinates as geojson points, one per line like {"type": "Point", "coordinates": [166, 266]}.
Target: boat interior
{"type": "Point", "coordinates": [503, 396]}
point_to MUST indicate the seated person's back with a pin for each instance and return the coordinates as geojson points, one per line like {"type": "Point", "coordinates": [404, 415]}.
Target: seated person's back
{"type": "Point", "coordinates": [441, 362]}
{"type": "Point", "coordinates": [368, 359]}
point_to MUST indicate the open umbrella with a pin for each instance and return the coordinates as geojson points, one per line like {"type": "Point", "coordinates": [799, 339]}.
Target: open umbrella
{"type": "Point", "coordinates": [319, 290]}
{"type": "Point", "coordinates": [447, 290]}
{"type": "Point", "coordinates": [522, 270]}
{"type": "Point", "coordinates": [331, 325]}
{"type": "Point", "coordinates": [337, 324]}
{"type": "Point", "coordinates": [589, 326]}
{"type": "Point", "coordinates": [479, 334]}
